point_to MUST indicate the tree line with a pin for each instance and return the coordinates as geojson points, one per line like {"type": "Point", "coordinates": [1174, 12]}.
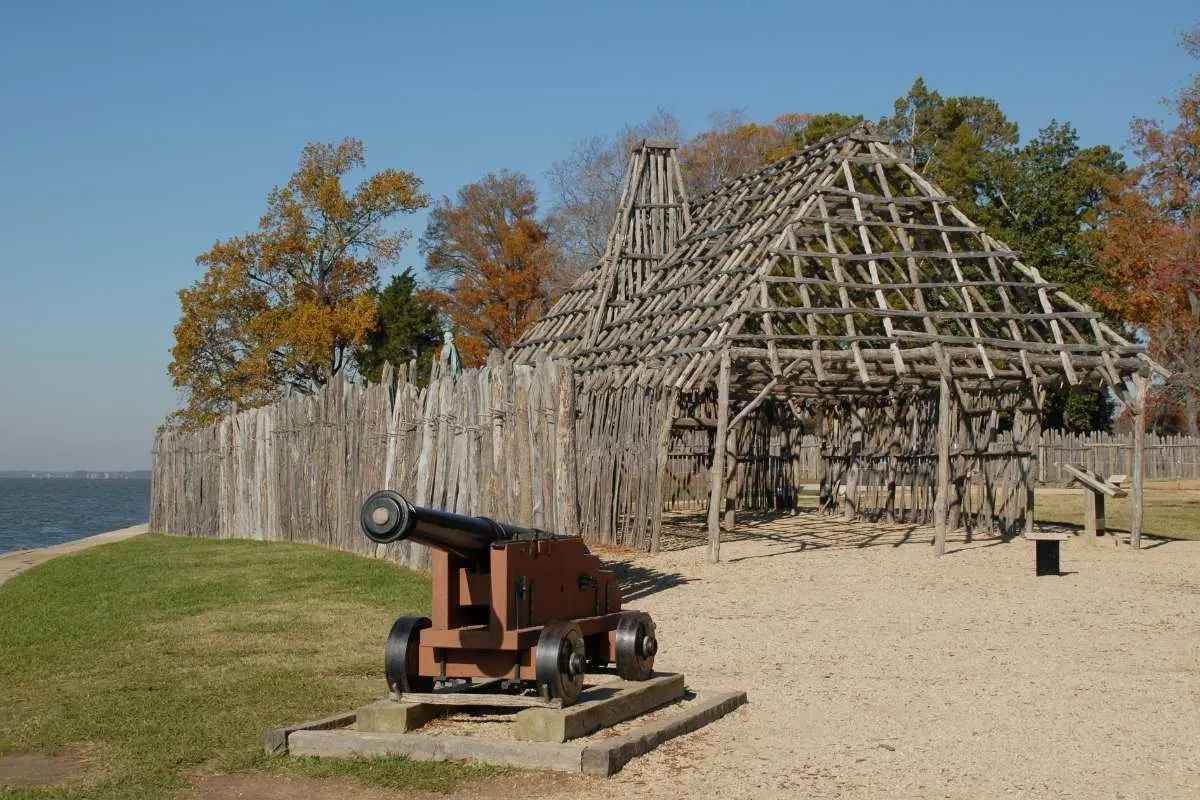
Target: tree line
{"type": "Point", "coordinates": [299, 300]}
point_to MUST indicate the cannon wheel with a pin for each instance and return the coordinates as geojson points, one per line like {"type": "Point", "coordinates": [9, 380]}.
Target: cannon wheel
{"type": "Point", "coordinates": [560, 662]}
{"type": "Point", "coordinates": [636, 646]}
{"type": "Point", "coordinates": [400, 656]}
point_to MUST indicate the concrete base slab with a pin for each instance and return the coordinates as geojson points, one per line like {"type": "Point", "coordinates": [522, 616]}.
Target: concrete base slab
{"type": "Point", "coordinates": [275, 743]}
{"type": "Point", "coordinates": [598, 707]}
{"type": "Point", "coordinates": [388, 716]}
{"type": "Point", "coordinates": [603, 757]}
{"type": "Point", "coordinates": [609, 756]}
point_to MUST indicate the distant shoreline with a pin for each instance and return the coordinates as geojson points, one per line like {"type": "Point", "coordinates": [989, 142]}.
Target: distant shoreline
{"type": "Point", "coordinates": [78, 474]}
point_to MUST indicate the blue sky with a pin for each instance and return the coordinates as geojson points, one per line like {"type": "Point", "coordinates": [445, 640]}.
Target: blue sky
{"type": "Point", "coordinates": [134, 135]}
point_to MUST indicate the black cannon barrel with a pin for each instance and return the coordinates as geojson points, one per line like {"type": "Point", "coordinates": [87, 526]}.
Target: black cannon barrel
{"type": "Point", "coordinates": [387, 516]}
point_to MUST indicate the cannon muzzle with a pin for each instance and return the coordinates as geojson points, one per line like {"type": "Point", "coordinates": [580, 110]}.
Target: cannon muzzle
{"type": "Point", "coordinates": [388, 517]}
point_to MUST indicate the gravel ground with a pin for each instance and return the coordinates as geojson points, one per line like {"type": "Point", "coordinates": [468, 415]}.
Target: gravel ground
{"type": "Point", "coordinates": [876, 670]}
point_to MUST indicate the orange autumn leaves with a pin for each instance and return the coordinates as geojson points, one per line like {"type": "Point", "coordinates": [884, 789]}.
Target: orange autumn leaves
{"type": "Point", "coordinates": [492, 260]}
{"type": "Point", "coordinates": [285, 305]}
{"type": "Point", "coordinates": [1151, 244]}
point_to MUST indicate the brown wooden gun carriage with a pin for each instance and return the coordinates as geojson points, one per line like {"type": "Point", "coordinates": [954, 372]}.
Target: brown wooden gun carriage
{"type": "Point", "coordinates": [510, 603]}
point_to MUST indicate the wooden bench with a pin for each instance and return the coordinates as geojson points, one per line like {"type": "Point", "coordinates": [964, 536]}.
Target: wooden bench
{"type": "Point", "coordinates": [1097, 488]}
{"type": "Point", "coordinates": [1046, 560]}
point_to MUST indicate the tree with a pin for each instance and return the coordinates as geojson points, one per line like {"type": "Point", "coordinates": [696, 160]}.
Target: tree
{"type": "Point", "coordinates": [1078, 409]}
{"type": "Point", "coordinates": [733, 146]}
{"type": "Point", "coordinates": [493, 262]}
{"type": "Point", "coordinates": [823, 126]}
{"type": "Point", "coordinates": [285, 306]}
{"type": "Point", "coordinates": [1048, 202]}
{"type": "Point", "coordinates": [1152, 241]}
{"type": "Point", "coordinates": [586, 185]}
{"type": "Point", "coordinates": [406, 328]}
{"type": "Point", "coordinates": [960, 143]}
{"type": "Point", "coordinates": [1044, 199]}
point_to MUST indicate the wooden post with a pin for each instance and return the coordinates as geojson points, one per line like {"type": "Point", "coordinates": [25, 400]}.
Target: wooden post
{"type": "Point", "coordinates": [1033, 421]}
{"type": "Point", "coordinates": [668, 405]}
{"type": "Point", "coordinates": [942, 500]}
{"type": "Point", "coordinates": [733, 481]}
{"type": "Point", "coordinates": [717, 469]}
{"type": "Point", "coordinates": [1093, 514]}
{"type": "Point", "coordinates": [822, 463]}
{"type": "Point", "coordinates": [1139, 460]}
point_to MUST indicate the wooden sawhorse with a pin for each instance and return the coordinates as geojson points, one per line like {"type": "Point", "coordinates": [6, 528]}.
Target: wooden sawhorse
{"type": "Point", "coordinates": [1097, 487]}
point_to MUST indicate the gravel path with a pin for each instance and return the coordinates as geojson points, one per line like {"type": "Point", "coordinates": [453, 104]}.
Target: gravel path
{"type": "Point", "coordinates": [881, 671]}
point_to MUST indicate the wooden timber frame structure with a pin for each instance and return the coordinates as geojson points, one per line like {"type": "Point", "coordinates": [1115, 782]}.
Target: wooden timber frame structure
{"type": "Point", "coordinates": [837, 290]}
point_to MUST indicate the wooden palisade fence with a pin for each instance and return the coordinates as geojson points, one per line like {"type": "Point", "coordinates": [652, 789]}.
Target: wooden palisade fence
{"type": "Point", "coordinates": [1167, 457]}
{"type": "Point", "coordinates": [500, 441]}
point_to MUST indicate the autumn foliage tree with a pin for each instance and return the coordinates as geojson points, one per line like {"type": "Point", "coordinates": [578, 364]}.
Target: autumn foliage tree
{"type": "Point", "coordinates": [1152, 241]}
{"type": "Point", "coordinates": [286, 305]}
{"type": "Point", "coordinates": [733, 146]}
{"type": "Point", "coordinates": [492, 261]}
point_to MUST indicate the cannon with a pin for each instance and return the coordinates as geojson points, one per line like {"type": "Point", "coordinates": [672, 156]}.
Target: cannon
{"type": "Point", "coordinates": [524, 606]}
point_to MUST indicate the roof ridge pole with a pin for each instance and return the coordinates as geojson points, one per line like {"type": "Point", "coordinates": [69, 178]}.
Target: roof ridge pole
{"type": "Point", "coordinates": [717, 468]}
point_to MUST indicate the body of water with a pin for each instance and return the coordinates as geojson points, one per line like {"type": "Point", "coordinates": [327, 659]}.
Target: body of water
{"type": "Point", "coordinates": [37, 512]}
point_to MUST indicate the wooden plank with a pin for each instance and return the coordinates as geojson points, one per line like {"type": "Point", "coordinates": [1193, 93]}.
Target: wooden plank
{"type": "Point", "coordinates": [481, 699]}
{"type": "Point", "coordinates": [421, 747]}
{"type": "Point", "coordinates": [275, 742]}
{"type": "Point", "coordinates": [608, 756]}
{"type": "Point", "coordinates": [600, 706]}
{"type": "Point", "coordinates": [1091, 480]}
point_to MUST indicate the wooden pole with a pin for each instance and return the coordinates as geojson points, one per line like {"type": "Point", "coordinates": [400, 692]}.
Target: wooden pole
{"type": "Point", "coordinates": [1139, 460]}
{"type": "Point", "coordinates": [1033, 424]}
{"type": "Point", "coordinates": [942, 500]}
{"type": "Point", "coordinates": [717, 469]}
{"type": "Point", "coordinates": [668, 405]}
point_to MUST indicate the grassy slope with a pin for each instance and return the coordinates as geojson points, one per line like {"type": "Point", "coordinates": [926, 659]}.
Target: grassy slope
{"type": "Point", "coordinates": [1171, 509]}
{"type": "Point", "coordinates": [170, 655]}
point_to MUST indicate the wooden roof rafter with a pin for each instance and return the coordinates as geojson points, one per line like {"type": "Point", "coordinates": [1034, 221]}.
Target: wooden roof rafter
{"type": "Point", "coordinates": [653, 214]}
{"type": "Point", "coordinates": [841, 268]}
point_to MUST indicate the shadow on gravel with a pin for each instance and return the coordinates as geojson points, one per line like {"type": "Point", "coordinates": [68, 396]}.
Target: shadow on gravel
{"type": "Point", "coordinates": [637, 581]}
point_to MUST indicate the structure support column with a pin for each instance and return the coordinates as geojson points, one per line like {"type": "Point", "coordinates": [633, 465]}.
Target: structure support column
{"type": "Point", "coordinates": [942, 500]}
{"type": "Point", "coordinates": [1033, 422]}
{"type": "Point", "coordinates": [716, 497]}
{"type": "Point", "coordinates": [1139, 460]}
{"type": "Point", "coordinates": [669, 408]}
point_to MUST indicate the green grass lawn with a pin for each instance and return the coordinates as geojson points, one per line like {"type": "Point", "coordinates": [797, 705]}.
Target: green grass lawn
{"type": "Point", "coordinates": [163, 656]}
{"type": "Point", "coordinates": [1171, 509]}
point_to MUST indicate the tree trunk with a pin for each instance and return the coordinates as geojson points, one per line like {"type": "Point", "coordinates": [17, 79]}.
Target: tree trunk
{"type": "Point", "coordinates": [1190, 403]}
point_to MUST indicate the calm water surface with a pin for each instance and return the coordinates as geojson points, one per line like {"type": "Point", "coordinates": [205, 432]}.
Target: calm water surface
{"type": "Point", "coordinates": [36, 512]}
